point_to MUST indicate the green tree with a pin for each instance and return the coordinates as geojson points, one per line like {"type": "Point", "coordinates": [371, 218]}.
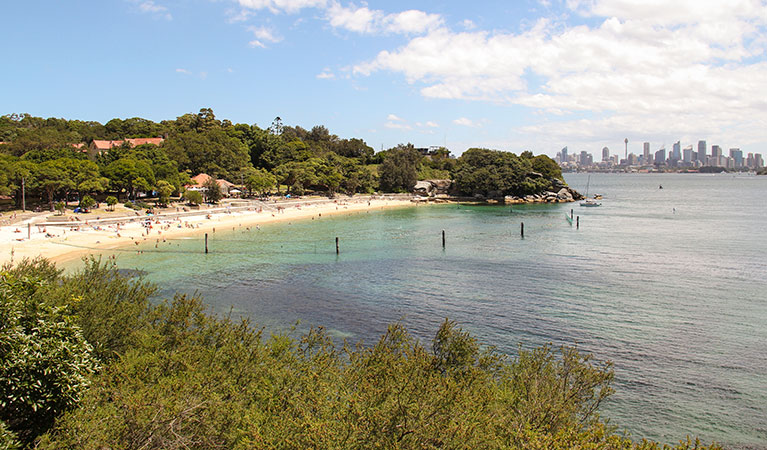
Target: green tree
{"type": "Point", "coordinates": [45, 363]}
{"type": "Point", "coordinates": [52, 178]}
{"type": "Point", "coordinates": [280, 152]}
{"type": "Point", "coordinates": [87, 202]}
{"type": "Point", "coordinates": [546, 167]}
{"type": "Point", "coordinates": [60, 207]}
{"type": "Point", "coordinates": [131, 175]}
{"type": "Point", "coordinates": [398, 172]}
{"type": "Point", "coordinates": [260, 181]}
{"type": "Point", "coordinates": [164, 190]}
{"type": "Point", "coordinates": [85, 176]}
{"type": "Point", "coordinates": [303, 173]}
{"type": "Point", "coordinates": [111, 202]}
{"type": "Point", "coordinates": [193, 197]}
{"type": "Point", "coordinates": [175, 377]}
{"type": "Point", "coordinates": [213, 152]}
{"type": "Point", "coordinates": [492, 173]}
{"type": "Point", "coordinates": [212, 190]}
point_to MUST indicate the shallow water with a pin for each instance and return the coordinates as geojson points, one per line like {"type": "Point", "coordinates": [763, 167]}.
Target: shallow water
{"type": "Point", "coordinates": [669, 284]}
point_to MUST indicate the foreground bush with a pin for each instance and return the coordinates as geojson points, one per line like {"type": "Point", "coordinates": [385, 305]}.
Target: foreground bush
{"type": "Point", "coordinates": [45, 362]}
{"type": "Point", "coordinates": [174, 377]}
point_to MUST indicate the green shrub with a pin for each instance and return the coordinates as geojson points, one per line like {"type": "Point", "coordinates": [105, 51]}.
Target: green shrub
{"type": "Point", "coordinates": [8, 440]}
{"type": "Point", "coordinates": [45, 362]}
{"type": "Point", "coordinates": [174, 377]}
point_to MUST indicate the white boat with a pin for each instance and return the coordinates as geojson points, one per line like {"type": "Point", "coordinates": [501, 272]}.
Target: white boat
{"type": "Point", "coordinates": [590, 201]}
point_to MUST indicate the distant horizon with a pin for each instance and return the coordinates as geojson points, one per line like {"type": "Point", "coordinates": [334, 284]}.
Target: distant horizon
{"type": "Point", "coordinates": [533, 75]}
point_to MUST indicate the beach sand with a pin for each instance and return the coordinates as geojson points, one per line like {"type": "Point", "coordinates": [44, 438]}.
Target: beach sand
{"type": "Point", "coordinates": [64, 243]}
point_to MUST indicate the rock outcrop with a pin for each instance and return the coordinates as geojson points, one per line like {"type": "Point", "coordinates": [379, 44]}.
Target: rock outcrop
{"type": "Point", "coordinates": [442, 189]}
{"type": "Point", "coordinates": [433, 188]}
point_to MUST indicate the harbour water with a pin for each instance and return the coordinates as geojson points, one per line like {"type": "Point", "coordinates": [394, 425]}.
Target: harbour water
{"type": "Point", "coordinates": [669, 284]}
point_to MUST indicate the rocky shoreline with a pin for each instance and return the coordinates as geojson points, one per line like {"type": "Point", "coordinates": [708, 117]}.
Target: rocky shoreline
{"type": "Point", "coordinates": [441, 191]}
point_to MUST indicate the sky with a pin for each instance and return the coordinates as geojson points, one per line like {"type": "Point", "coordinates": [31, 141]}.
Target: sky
{"type": "Point", "coordinates": [509, 75]}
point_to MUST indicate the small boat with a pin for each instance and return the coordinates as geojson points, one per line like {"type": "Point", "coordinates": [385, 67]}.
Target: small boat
{"type": "Point", "coordinates": [590, 201]}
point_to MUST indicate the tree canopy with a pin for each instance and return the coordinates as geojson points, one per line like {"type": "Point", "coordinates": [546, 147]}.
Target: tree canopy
{"type": "Point", "coordinates": [52, 156]}
{"type": "Point", "coordinates": [493, 173]}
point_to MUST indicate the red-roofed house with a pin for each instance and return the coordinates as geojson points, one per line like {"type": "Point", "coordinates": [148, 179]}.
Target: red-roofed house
{"type": "Point", "coordinates": [99, 147]}
{"type": "Point", "coordinates": [199, 180]}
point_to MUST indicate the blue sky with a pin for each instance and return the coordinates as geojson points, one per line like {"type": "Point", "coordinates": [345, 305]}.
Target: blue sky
{"type": "Point", "coordinates": [510, 75]}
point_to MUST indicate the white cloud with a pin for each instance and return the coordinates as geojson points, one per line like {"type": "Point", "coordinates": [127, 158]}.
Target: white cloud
{"type": "Point", "coordinates": [287, 6]}
{"type": "Point", "coordinates": [468, 24]}
{"type": "Point", "coordinates": [159, 11]}
{"type": "Point", "coordinates": [239, 16]}
{"type": "Point", "coordinates": [412, 21]}
{"type": "Point", "coordinates": [326, 74]}
{"type": "Point", "coordinates": [394, 118]}
{"type": "Point", "coordinates": [431, 124]}
{"type": "Point", "coordinates": [361, 20]}
{"type": "Point", "coordinates": [366, 20]}
{"type": "Point", "coordinates": [672, 13]}
{"type": "Point", "coordinates": [398, 125]}
{"type": "Point", "coordinates": [646, 67]}
{"type": "Point", "coordinates": [466, 122]}
{"type": "Point", "coordinates": [263, 35]}
{"type": "Point", "coordinates": [184, 71]}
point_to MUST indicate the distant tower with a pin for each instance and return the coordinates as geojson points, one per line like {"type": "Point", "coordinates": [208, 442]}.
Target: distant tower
{"type": "Point", "coordinates": [626, 141]}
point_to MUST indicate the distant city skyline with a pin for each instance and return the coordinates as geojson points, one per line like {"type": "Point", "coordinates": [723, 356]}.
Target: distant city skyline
{"type": "Point", "coordinates": [528, 75]}
{"type": "Point", "coordinates": [677, 158]}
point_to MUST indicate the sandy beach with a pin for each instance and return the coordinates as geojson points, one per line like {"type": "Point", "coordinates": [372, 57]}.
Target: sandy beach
{"type": "Point", "coordinates": [62, 239]}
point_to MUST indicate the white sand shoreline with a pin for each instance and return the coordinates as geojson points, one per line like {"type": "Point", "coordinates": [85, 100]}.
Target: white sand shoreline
{"type": "Point", "coordinates": [61, 242]}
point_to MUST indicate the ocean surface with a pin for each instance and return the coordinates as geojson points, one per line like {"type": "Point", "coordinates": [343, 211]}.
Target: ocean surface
{"type": "Point", "coordinates": [669, 284]}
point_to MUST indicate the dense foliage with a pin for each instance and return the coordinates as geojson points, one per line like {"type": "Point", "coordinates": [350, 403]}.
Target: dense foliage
{"type": "Point", "coordinates": [493, 173]}
{"type": "Point", "coordinates": [173, 377]}
{"type": "Point", "coordinates": [57, 160]}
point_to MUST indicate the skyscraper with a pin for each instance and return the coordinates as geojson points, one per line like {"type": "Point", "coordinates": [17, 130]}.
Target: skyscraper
{"type": "Point", "coordinates": [702, 152]}
{"type": "Point", "coordinates": [564, 154]}
{"type": "Point", "coordinates": [676, 151]}
{"type": "Point", "coordinates": [737, 155]}
{"type": "Point", "coordinates": [687, 154]}
{"type": "Point", "coordinates": [716, 155]}
{"type": "Point", "coordinates": [660, 157]}
{"type": "Point", "coordinates": [646, 152]}
{"type": "Point", "coordinates": [605, 154]}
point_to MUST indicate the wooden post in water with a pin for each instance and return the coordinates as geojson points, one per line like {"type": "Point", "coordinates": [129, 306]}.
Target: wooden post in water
{"type": "Point", "coordinates": [443, 239]}
{"type": "Point", "coordinates": [522, 229]}
{"type": "Point", "coordinates": [337, 250]}
{"type": "Point", "coordinates": [577, 222]}
{"type": "Point", "coordinates": [206, 243]}
{"type": "Point", "coordinates": [571, 214]}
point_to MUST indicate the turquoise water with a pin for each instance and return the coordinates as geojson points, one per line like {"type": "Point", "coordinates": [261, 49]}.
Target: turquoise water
{"type": "Point", "coordinates": [669, 284]}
